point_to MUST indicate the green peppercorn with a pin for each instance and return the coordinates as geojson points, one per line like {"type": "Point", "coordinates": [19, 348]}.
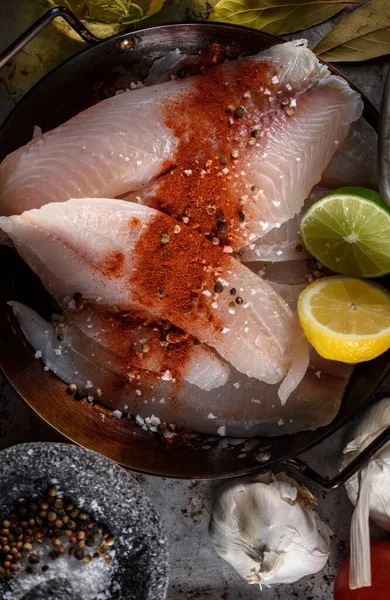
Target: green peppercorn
{"type": "Point", "coordinates": [232, 305]}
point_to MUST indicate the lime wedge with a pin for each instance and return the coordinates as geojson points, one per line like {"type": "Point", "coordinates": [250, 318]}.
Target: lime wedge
{"type": "Point", "coordinates": [348, 231]}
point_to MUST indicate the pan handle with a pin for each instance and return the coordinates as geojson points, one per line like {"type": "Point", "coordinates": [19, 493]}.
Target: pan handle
{"type": "Point", "coordinates": [45, 19]}
{"type": "Point", "coordinates": [384, 143]}
{"type": "Point", "coordinates": [354, 466]}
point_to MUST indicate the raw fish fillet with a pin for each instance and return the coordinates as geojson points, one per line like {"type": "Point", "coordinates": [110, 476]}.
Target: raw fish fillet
{"type": "Point", "coordinates": [243, 407]}
{"type": "Point", "coordinates": [292, 272]}
{"type": "Point", "coordinates": [158, 348]}
{"type": "Point", "coordinates": [121, 144]}
{"type": "Point", "coordinates": [284, 242]}
{"type": "Point", "coordinates": [97, 247]}
{"type": "Point", "coordinates": [84, 358]}
{"type": "Point", "coordinates": [356, 161]}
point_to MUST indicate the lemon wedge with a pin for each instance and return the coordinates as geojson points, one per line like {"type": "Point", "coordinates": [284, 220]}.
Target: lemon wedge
{"type": "Point", "coordinates": [346, 319]}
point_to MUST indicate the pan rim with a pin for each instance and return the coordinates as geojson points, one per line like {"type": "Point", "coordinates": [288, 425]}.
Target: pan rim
{"type": "Point", "coordinates": [319, 434]}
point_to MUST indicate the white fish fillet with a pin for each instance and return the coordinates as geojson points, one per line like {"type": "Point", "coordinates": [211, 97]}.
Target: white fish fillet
{"type": "Point", "coordinates": [139, 345]}
{"type": "Point", "coordinates": [122, 143]}
{"type": "Point", "coordinates": [68, 246]}
{"type": "Point", "coordinates": [244, 407]}
{"type": "Point", "coordinates": [292, 272]}
{"type": "Point", "coordinates": [283, 243]}
{"type": "Point", "coordinates": [356, 162]}
{"type": "Point", "coordinates": [79, 357]}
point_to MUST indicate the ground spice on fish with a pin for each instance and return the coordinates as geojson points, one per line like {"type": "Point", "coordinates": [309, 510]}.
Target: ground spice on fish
{"type": "Point", "coordinates": [185, 268]}
{"type": "Point", "coordinates": [213, 148]}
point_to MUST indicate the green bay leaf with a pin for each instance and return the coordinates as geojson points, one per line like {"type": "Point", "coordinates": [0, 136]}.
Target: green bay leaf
{"type": "Point", "coordinates": [361, 35]}
{"type": "Point", "coordinates": [113, 11]}
{"type": "Point", "coordinates": [277, 16]}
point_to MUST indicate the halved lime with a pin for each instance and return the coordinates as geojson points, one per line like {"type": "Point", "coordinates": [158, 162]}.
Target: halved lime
{"type": "Point", "coordinates": [348, 231]}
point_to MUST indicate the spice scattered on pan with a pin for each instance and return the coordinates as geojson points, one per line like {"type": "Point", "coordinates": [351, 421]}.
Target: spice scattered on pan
{"type": "Point", "coordinates": [47, 528]}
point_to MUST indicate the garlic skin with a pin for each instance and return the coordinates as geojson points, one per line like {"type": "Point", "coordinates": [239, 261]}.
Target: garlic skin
{"type": "Point", "coordinates": [374, 421]}
{"type": "Point", "coordinates": [368, 490]}
{"type": "Point", "coordinates": [265, 527]}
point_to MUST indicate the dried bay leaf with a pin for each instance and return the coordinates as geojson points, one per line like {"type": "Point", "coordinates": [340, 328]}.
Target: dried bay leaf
{"type": "Point", "coordinates": [277, 16]}
{"type": "Point", "coordinates": [361, 35]}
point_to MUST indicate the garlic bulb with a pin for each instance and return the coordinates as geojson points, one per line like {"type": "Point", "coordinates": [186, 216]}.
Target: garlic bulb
{"type": "Point", "coordinates": [368, 490]}
{"type": "Point", "coordinates": [266, 528]}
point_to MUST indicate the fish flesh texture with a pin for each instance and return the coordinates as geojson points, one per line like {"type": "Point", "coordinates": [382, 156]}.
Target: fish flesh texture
{"type": "Point", "coordinates": [356, 161]}
{"type": "Point", "coordinates": [242, 407]}
{"type": "Point", "coordinates": [123, 143]}
{"type": "Point", "coordinates": [283, 243]}
{"type": "Point", "coordinates": [110, 252]}
{"type": "Point", "coordinates": [84, 358]}
{"type": "Point", "coordinates": [270, 182]}
{"type": "Point", "coordinates": [137, 340]}
{"type": "Point", "coordinates": [292, 272]}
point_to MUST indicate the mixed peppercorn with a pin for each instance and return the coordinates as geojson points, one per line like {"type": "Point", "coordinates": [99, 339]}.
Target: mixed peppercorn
{"type": "Point", "coordinates": [56, 522]}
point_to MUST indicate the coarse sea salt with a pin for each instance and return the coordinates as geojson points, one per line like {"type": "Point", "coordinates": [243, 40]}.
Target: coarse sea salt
{"type": "Point", "coordinates": [211, 416]}
{"type": "Point", "coordinates": [90, 581]}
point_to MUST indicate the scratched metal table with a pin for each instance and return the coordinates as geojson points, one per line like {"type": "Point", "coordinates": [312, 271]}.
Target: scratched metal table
{"type": "Point", "coordinates": [184, 506]}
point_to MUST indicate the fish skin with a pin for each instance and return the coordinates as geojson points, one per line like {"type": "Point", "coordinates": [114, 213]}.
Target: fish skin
{"type": "Point", "coordinates": [66, 245]}
{"type": "Point", "coordinates": [78, 160]}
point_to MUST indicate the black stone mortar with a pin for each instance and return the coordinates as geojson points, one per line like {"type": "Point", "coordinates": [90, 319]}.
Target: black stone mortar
{"type": "Point", "coordinates": [110, 496]}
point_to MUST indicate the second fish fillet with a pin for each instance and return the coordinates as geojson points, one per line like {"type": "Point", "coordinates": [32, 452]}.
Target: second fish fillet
{"type": "Point", "coordinates": [119, 254]}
